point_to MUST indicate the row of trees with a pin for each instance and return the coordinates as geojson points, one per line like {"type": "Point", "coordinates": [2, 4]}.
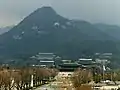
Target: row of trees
{"type": "Point", "coordinates": [111, 75]}
{"type": "Point", "coordinates": [83, 77]}
{"type": "Point", "coordinates": [25, 78]}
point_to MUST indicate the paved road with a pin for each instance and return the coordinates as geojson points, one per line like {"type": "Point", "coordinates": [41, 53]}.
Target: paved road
{"type": "Point", "coordinates": [56, 85]}
{"type": "Point", "coordinates": [47, 87]}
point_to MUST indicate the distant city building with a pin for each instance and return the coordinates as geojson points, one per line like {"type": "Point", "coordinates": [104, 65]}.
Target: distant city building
{"type": "Point", "coordinates": [103, 63]}
{"type": "Point", "coordinates": [90, 64]}
{"type": "Point", "coordinates": [97, 53]}
{"type": "Point", "coordinates": [104, 55]}
{"type": "Point", "coordinates": [103, 59]}
{"type": "Point", "coordinates": [45, 59]}
{"type": "Point", "coordinates": [52, 60]}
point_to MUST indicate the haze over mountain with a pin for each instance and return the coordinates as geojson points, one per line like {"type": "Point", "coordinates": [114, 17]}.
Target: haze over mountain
{"type": "Point", "coordinates": [94, 11]}
{"type": "Point", "coordinates": [112, 30]}
{"type": "Point", "coordinates": [46, 31]}
{"type": "Point", "coordinates": [5, 29]}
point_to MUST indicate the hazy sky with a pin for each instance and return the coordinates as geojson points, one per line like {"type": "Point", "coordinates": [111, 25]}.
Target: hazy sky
{"type": "Point", "coordinates": [95, 11]}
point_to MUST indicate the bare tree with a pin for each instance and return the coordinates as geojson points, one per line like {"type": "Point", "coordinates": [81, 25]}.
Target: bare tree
{"type": "Point", "coordinates": [81, 76]}
{"type": "Point", "coordinates": [6, 79]}
{"type": "Point", "coordinates": [21, 78]}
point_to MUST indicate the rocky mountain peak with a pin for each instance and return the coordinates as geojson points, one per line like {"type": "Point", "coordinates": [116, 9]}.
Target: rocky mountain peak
{"type": "Point", "coordinates": [44, 12]}
{"type": "Point", "coordinates": [46, 9]}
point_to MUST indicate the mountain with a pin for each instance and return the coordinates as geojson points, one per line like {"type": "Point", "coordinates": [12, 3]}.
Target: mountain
{"type": "Point", "coordinates": [5, 29]}
{"type": "Point", "coordinates": [46, 31]}
{"type": "Point", "coordinates": [112, 30]}
{"type": "Point", "coordinates": [93, 31]}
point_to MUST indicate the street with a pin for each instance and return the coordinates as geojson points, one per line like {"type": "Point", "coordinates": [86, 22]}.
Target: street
{"type": "Point", "coordinates": [62, 82]}
{"type": "Point", "coordinates": [46, 87]}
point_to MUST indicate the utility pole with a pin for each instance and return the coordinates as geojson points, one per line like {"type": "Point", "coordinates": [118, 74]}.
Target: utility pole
{"type": "Point", "coordinates": [111, 76]}
{"type": "Point", "coordinates": [32, 81]}
{"type": "Point", "coordinates": [103, 72]}
{"type": "Point", "coordinates": [103, 67]}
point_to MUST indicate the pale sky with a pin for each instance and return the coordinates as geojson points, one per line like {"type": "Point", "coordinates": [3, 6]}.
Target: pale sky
{"type": "Point", "coordinates": [94, 11]}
